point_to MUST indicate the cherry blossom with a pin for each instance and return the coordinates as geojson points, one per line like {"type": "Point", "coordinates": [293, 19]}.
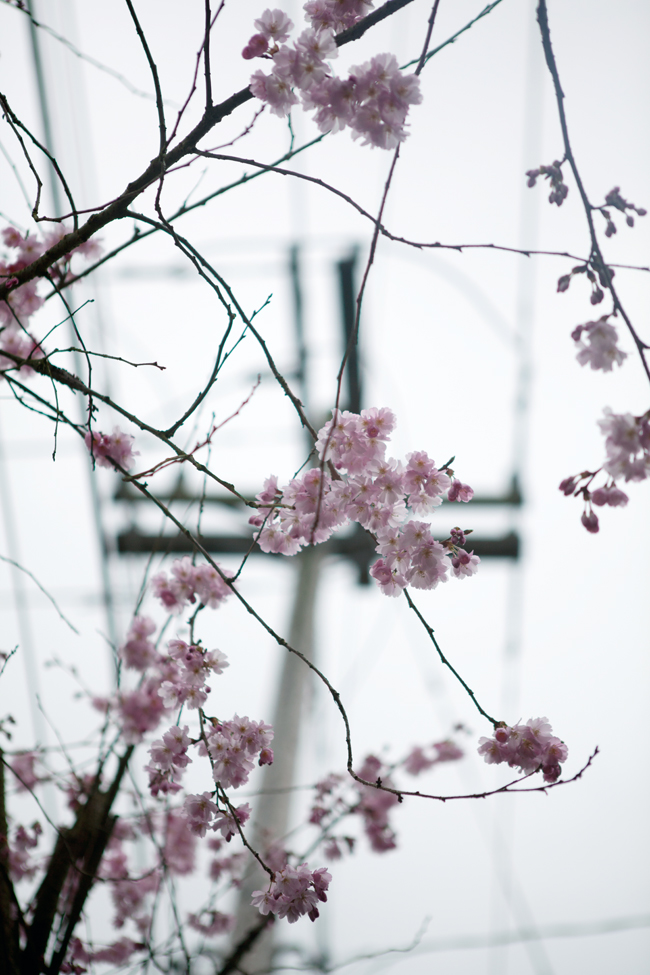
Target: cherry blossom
{"type": "Point", "coordinates": [600, 350]}
{"type": "Point", "coordinates": [627, 442]}
{"type": "Point", "coordinates": [168, 759]}
{"type": "Point", "coordinates": [22, 765]}
{"type": "Point", "coordinates": [140, 710]}
{"type": "Point", "coordinates": [138, 651]}
{"type": "Point", "coordinates": [200, 812]}
{"type": "Point", "coordinates": [527, 747]}
{"type": "Point", "coordinates": [109, 449]}
{"type": "Point", "coordinates": [216, 922]}
{"type": "Point", "coordinates": [275, 26]}
{"type": "Point", "coordinates": [373, 101]}
{"type": "Point", "coordinates": [117, 954]}
{"type": "Point", "coordinates": [189, 581]}
{"type": "Point", "coordinates": [20, 864]}
{"type": "Point", "coordinates": [377, 492]}
{"type": "Point", "coordinates": [227, 822]}
{"type": "Point", "coordinates": [336, 14]}
{"type": "Point", "coordinates": [179, 850]}
{"type": "Point", "coordinates": [233, 745]}
{"type": "Point", "coordinates": [294, 891]}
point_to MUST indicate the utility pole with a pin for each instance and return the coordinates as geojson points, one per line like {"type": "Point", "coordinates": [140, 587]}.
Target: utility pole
{"type": "Point", "coordinates": [272, 814]}
{"type": "Point", "coordinates": [274, 804]}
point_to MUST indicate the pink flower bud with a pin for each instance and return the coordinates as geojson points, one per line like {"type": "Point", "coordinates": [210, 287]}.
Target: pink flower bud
{"type": "Point", "coordinates": [256, 47]}
{"type": "Point", "coordinates": [568, 485]}
{"type": "Point", "coordinates": [612, 496]}
{"type": "Point", "coordinates": [590, 521]}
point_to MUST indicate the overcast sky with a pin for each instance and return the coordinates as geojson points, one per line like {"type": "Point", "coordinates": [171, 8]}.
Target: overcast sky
{"type": "Point", "coordinates": [443, 342]}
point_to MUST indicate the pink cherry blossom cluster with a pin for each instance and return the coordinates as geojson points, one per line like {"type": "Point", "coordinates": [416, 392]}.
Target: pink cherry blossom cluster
{"type": "Point", "coordinates": [597, 345]}
{"type": "Point", "coordinates": [22, 765]}
{"type": "Point", "coordinates": [185, 683]}
{"type": "Point", "coordinates": [138, 652]}
{"type": "Point", "coordinates": [19, 343]}
{"type": "Point", "coordinates": [338, 15]}
{"type": "Point", "coordinates": [232, 866]}
{"type": "Point", "coordinates": [175, 679]}
{"type": "Point", "coordinates": [140, 710]}
{"type": "Point", "coordinates": [373, 100]}
{"type": "Point", "coordinates": [179, 850]}
{"type": "Point", "coordinates": [417, 760]}
{"type": "Point", "coordinates": [109, 449]}
{"type": "Point", "coordinates": [129, 894]}
{"type": "Point", "coordinates": [294, 891]}
{"type": "Point", "coordinates": [376, 492]}
{"type": "Point", "coordinates": [233, 746]}
{"type": "Point", "coordinates": [176, 832]}
{"type": "Point", "coordinates": [627, 442]}
{"type": "Point", "coordinates": [374, 805]}
{"type": "Point", "coordinates": [528, 747]}
{"type": "Point", "coordinates": [189, 581]}
{"type": "Point", "coordinates": [412, 557]}
{"type": "Point", "coordinates": [24, 840]}
{"type": "Point", "coordinates": [177, 847]}
{"type": "Point", "coordinates": [24, 301]}
{"type": "Point", "coordinates": [169, 759]}
{"type": "Point", "coordinates": [216, 922]}
{"type": "Point", "coordinates": [334, 799]}
{"type": "Point", "coordinates": [116, 954]}
{"type": "Point", "coordinates": [202, 814]}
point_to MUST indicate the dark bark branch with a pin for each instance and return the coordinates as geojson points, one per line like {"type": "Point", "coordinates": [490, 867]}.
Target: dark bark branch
{"type": "Point", "coordinates": [8, 914]}
{"type": "Point", "coordinates": [84, 841]}
{"type": "Point", "coordinates": [245, 945]}
{"type": "Point", "coordinates": [358, 30]}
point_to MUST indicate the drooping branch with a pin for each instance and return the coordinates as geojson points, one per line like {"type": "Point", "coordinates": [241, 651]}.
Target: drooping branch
{"type": "Point", "coordinates": [597, 259]}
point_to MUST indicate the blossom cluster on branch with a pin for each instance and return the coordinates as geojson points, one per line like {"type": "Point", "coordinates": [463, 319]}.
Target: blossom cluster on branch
{"type": "Point", "coordinates": [294, 891]}
{"type": "Point", "coordinates": [627, 437]}
{"type": "Point", "coordinates": [527, 747]}
{"type": "Point", "coordinates": [378, 493]}
{"type": "Point", "coordinates": [627, 442]}
{"type": "Point", "coordinates": [374, 99]}
{"type": "Point", "coordinates": [597, 344]}
{"type": "Point", "coordinates": [23, 302]}
{"type": "Point", "coordinates": [336, 798]}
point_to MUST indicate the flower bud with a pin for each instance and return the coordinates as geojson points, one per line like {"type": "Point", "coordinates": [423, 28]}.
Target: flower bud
{"type": "Point", "coordinates": [590, 521]}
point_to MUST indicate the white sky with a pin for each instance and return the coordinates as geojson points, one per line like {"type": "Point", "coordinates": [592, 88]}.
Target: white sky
{"type": "Point", "coordinates": [437, 348]}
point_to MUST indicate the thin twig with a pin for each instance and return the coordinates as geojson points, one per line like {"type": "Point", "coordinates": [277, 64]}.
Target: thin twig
{"type": "Point", "coordinates": [51, 598]}
{"type": "Point", "coordinates": [597, 258]}
{"type": "Point", "coordinates": [444, 660]}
